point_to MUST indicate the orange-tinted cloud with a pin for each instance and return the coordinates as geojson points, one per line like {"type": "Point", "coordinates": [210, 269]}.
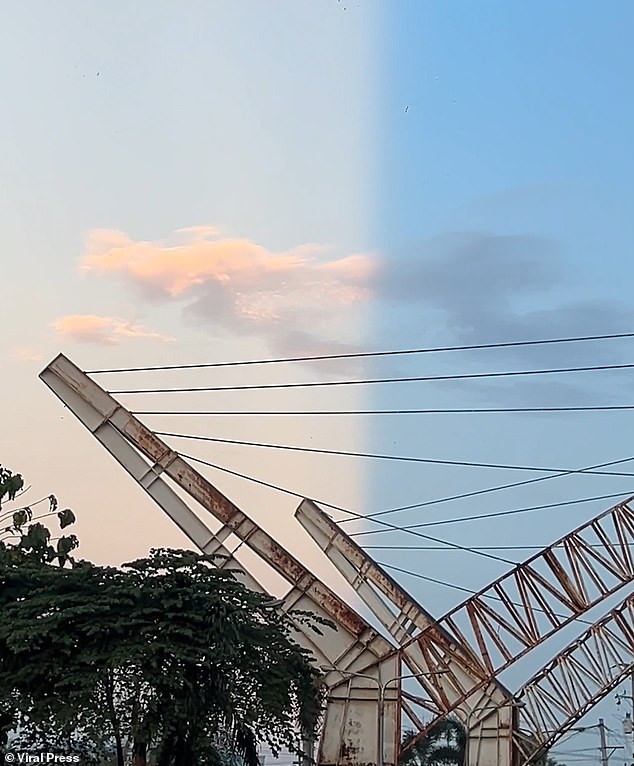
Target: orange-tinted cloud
{"type": "Point", "coordinates": [239, 265]}
{"type": "Point", "coordinates": [239, 285]}
{"type": "Point", "coordinates": [26, 354]}
{"type": "Point", "coordinates": [107, 331]}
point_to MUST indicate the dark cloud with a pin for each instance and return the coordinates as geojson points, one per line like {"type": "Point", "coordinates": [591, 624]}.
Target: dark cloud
{"type": "Point", "coordinates": [472, 288]}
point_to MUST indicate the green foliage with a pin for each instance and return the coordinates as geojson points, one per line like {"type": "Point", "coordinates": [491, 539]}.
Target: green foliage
{"type": "Point", "coordinates": [26, 535]}
{"type": "Point", "coordinates": [10, 484]}
{"type": "Point", "coordinates": [444, 745]}
{"type": "Point", "coordinates": [25, 544]}
{"type": "Point", "coordinates": [168, 652]}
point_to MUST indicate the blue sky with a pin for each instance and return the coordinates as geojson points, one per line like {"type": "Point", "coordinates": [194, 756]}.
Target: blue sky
{"type": "Point", "coordinates": [394, 175]}
{"type": "Point", "coordinates": [506, 173]}
{"type": "Point", "coordinates": [505, 179]}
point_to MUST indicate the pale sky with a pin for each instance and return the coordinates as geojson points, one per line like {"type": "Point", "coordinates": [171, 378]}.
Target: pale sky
{"type": "Point", "coordinates": [252, 126]}
{"type": "Point", "coordinates": [215, 181]}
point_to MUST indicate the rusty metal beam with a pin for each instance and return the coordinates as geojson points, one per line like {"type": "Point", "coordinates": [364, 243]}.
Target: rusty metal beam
{"type": "Point", "coordinates": [574, 681]}
{"type": "Point", "coordinates": [535, 599]}
{"type": "Point", "coordinates": [354, 645]}
{"type": "Point", "coordinates": [502, 622]}
{"type": "Point", "coordinates": [403, 616]}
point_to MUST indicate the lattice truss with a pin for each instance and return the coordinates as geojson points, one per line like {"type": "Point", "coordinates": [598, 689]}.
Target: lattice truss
{"type": "Point", "coordinates": [455, 659]}
{"type": "Point", "coordinates": [563, 691]}
{"type": "Point", "coordinates": [497, 626]}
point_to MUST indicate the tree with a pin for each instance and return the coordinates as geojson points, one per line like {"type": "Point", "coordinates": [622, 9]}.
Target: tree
{"type": "Point", "coordinates": [168, 653]}
{"type": "Point", "coordinates": [26, 538]}
{"type": "Point", "coordinates": [26, 535]}
{"type": "Point", "coordinates": [443, 745]}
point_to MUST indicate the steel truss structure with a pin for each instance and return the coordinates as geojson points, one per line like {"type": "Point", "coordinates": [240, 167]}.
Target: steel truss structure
{"type": "Point", "coordinates": [565, 689]}
{"type": "Point", "coordinates": [153, 465]}
{"type": "Point", "coordinates": [452, 663]}
{"type": "Point", "coordinates": [500, 624]}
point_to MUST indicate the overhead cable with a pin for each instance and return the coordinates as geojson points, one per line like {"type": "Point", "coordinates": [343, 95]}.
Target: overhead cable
{"type": "Point", "coordinates": [400, 458]}
{"type": "Point", "coordinates": [366, 354]}
{"type": "Point", "coordinates": [478, 547]}
{"type": "Point", "coordinates": [497, 488]}
{"type": "Point", "coordinates": [370, 413]}
{"type": "Point", "coordinates": [345, 510]}
{"type": "Point", "coordinates": [366, 382]}
{"type": "Point", "coordinates": [361, 517]}
{"type": "Point", "coordinates": [358, 516]}
{"type": "Point", "coordinates": [461, 588]}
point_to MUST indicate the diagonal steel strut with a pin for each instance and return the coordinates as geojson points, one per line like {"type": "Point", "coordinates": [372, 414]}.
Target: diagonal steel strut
{"type": "Point", "coordinates": [355, 644]}
{"type": "Point", "coordinates": [507, 619]}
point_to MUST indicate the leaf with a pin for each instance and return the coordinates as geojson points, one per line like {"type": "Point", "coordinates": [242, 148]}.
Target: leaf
{"type": "Point", "coordinates": [66, 518]}
{"type": "Point", "coordinates": [13, 485]}
{"type": "Point", "coordinates": [21, 517]}
{"type": "Point", "coordinates": [64, 546]}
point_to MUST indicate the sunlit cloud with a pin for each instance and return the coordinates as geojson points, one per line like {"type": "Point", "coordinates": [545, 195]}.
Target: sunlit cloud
{"type": "Point", "coordinates": [26, 354]}
{"type": "Point", "coordinates": [239, 286]}
{"type": "Point", "coordinates": [106, 331]}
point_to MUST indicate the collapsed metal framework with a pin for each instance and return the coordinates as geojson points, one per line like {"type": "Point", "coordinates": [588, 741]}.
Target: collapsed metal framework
{"type": "Point", "coordinates": [455, 660]}
{"type": "Point", "coordinates": [565, 689]}
{"type": "Point", "coordinates": [501, 623]}
{"type": "Point", "coordinates": [402, 616]}
{"type": "Point", "coordinates": [354, 645]}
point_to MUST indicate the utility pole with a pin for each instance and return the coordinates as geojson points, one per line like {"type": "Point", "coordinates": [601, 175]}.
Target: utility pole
{"type": "Point", "coordinates": [631, 742]}
{"type": "Point", "coordinates": [604, 749]}
{"type": "Point", "coordinates": [627, 731]}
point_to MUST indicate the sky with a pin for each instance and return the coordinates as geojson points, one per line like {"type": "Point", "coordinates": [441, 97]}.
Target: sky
{"type": "Point", "coordinates": [233, 181]}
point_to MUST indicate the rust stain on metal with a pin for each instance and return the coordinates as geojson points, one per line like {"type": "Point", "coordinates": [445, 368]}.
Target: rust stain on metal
{"type": "Point", "coordinates": [347, 756]}
{"type": "Point", "coordinates": [207, 495]}
{"type": "Point", "coordinates": [347, 751]}
{"type": "Point", "coordinates": [57, 367]}
{"type": "Point", "coordinates": [147, 442]}
{"type": "Point", "coordinates": [286, 563]}
{"type": "Point", "coordinates": [578, 602]}
{"type": "Point", "coordinates": [340, 611]}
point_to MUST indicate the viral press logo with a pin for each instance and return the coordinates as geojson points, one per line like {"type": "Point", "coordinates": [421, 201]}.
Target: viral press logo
{"type": "Point", "coordinates": [34, 758]}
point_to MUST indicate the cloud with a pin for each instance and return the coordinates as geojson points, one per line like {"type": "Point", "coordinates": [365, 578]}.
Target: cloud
{"type": "Point", "coordinates": [476, 287]}
{"type": "Point", "coordinates": [26, 354]}
{"type": "Point", "coordinates": [491, 288]}
{"type": "Point", "coordinates": [458, 288]}
{"type": "Point", "coordinates": [238, 286]}
{"type": "Point", "coordinates": [106, 331]}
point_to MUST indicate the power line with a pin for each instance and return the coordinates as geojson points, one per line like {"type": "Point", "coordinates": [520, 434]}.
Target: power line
{"type": "Point", "coordinates": [444, 543]}
{"type": "Point", "coordinates": [387, 566]}
{"type": "Point", "coordinates": [489, 490]}
{"type": "Point", "coordinates": [461, 588]}
{"type": "Point", "coordinates": [479, 547]}
{"type": "Point", "coordinates": [454, 411]}
{"type": "Point", "coordinates": [366, 354]}
{"type": "Point", "coordinates": [399, 458]}
{"type": "Point", "coordinates": [365, 382]}
{"type": "Point", "coordinates": [346, 510]}
{"type": "Point", "coordinates": [513, 512]}
{"type": "Point", "coordinates": [411, 529]}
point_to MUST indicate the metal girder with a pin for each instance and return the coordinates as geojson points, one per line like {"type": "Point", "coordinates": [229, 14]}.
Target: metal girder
{"type": "Point", "coordinates": [507, 619]}
{"type": "Point", "coordinates": [574, 681]}
{"type": "Point", "coordinates": [403, 616]}
{"type": "Point", "coordinates": [352, 646]}
{"type": "Point", "coordinates": [472, 643]}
